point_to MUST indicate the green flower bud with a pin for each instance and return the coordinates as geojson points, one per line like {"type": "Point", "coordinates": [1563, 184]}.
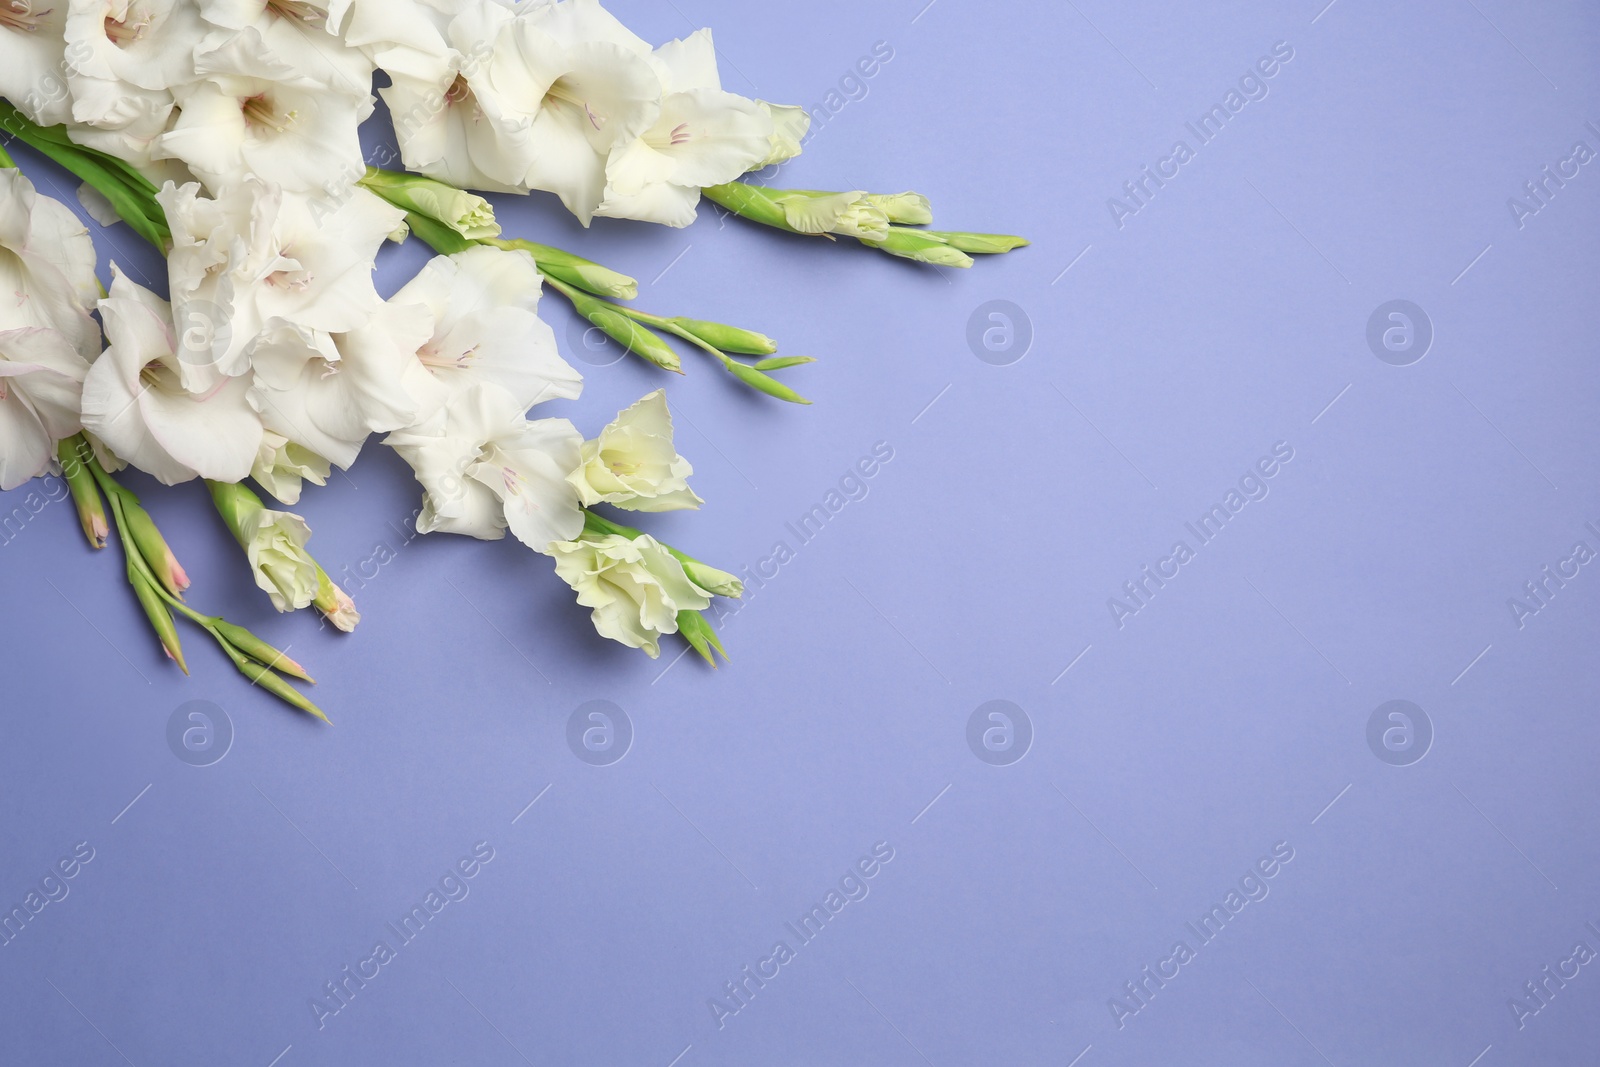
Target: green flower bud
{"type": "Point", "coordinates": [153, 547]}
{"type": "Point", "coordinates": [762, 383]}
{"type": "Point", "coordinates": [701, 637]}
{"type": "Point", "coordinates": [73, 452]}
{"type": "Point", "coordinates": [984, 243]}
{"type": "Point", "coordinates": [468, 214]}
{"type": "Point", "coordinates": [920, 246]}
{"type": "Point", "coordinates": [258, 650]}
{"type": "Point", "coordinates": [586, 274]}
{"type": "Point", "coordinates": [160, 618]}
{"type": "Point", "coordinates": [782, 362]}
{"type": "Point", "coordinates": [711, 579]}
{"type": "Point", "coordinates": [728, 338]}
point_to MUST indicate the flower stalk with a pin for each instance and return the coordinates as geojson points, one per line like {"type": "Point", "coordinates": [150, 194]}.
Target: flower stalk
{"type": "Point", "coordinates": [146, 554]}
{"type": "Point", "coordinates": [877, 220]}
{"type": "Point", "coordinates": [129, 192]}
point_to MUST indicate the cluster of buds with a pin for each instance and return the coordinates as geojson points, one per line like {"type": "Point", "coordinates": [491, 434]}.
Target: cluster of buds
{"type": "Point", "coordinates": [885, 221]}
{"type": "Point", "coordinates": [159, 580]}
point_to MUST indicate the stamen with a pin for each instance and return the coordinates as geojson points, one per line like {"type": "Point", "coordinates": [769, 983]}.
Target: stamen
{"type": "Point", "coordinates": [298, 11]}
{"type": "Point", "coordinates": [260, 110]}
{"type": "Point", "coordinates": [122, 34]}
{"type": "Point", "coordinates": [680, 134]}
{"type": "Point", "coordinates": [20, 15]}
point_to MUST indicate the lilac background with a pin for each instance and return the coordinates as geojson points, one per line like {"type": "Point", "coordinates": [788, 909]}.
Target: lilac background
{"type": "Point", "coordinates": [1228, 715]}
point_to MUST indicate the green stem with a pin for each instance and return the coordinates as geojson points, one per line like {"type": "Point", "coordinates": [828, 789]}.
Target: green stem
{"type": "Point", "coordinates": [253, 658]}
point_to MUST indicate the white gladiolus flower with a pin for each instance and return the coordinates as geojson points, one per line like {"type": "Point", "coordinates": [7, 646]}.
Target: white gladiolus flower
{"type": "Point", "coordinates": [564, 85]}
{"type": "Point", "coordinates": [47, 266]}
{"type": "Point", "coordinates": [41, 386]}
{"type": "Point", "coordinates": [47, 338]}
{"type": "Point", "coordinates": [123, 59]}
{"type": "Point", "coordinates": [282, 467]}
{"type": "Point", "coordinates": [253, 254]}
{"type": "Point", "coordinates": [482, 305]}
{"type": "Point", "coordinates": [703, 136]}
{"type": "Point", "coordinates": [302, 33]}
{"type": "Point", "coordinates": [135, 402]}
{"type": "Point", "coordinates": [251, 112]}
{"type": "Point", "coordinates": [407, 38]}
{"type": "Point", "coordinates": [633, 463]}
{"type": "Point", "coordinates": [147, 44]}
{"type": "Point", "coordinates": [443, 133]}
{"type": "Point", "coordinates": [32, 44]}
{"type": "Point", "coordinates": [484, 468]}
{"type": "Point", "coordinates": [328, 393]}
{"type": "Point", "coordinates": [636, 587]}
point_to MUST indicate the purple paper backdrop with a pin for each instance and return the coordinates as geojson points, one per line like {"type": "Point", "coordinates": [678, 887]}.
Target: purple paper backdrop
{"type": "Point", "coordinates": [1409, 882]}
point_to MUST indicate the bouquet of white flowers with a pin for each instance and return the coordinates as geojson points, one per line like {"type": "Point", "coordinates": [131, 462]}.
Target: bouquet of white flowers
{"type": "Point", "coordinates": [226, 133]}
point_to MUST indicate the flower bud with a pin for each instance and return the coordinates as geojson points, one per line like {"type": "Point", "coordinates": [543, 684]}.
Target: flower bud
{"type": "Point", "coordinates": [258, 650]}
{"type": "Point", "coordinates": [728, 338]}
{"type": "Point", "coordinates": [701, 637]}
{"type": "Point", "coordinates": [587, 275]}
{"type": "Point", "coordinates": [335, 603]}
{"type": "Point", "coordinates": [984, 243]}
{"type": "Point", "coordinates": [153, 547]}
{"type": "Point", "coordinates": [274, 542]}
{"type": "Point", "coordinates": [468, 214]}
{"type": "Point", "coordinates": [72, 453]}
{"type": "Point", "coordinates": [160, 618]}
{"type": "Point", "coordinates": [762, 382]}
{"type": "Point", "coordinates": [710, 578]}
{"type": "Point", "coordinates": [922, 246]}
{"type": "Point", "coordinates": [625, 331]}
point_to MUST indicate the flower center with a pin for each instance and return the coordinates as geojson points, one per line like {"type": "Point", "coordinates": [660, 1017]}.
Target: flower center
{"type": "Point", "coordinates": [680, 134]}
{"type": "Point", "coordinates": [123, 32]}
{"type": "Point", "coordinates": [563, 91]}
{"type": "Point", "coordinates": [297, 11]}
{"type": "Point", "coordinates": [158, 376]}
{"type": "Point", "coordinates": [262, 110]}
{"type": "Point", "coordinates": [431, 357]}
{"type": "Point", "coordinates": [20, 15]}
